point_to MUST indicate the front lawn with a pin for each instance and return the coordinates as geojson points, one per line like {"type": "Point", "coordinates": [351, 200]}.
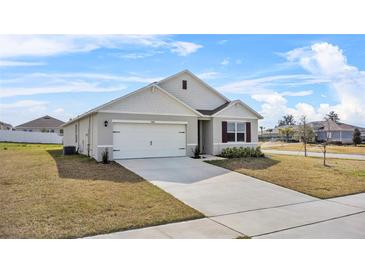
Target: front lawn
{"type": "Point", "coordinates": [307, 175]}
{"type": "Point", "coordinates": [46, 195]}
{"type": "Point", "coordinates": [345, 149]}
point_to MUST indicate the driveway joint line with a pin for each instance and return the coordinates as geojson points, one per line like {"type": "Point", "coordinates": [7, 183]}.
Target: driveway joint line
{"type": "Point", "coordinates": [230, 228]}
{"type": "Point", "coordinates": [262, 208]}
{"type": "Point", "coordinates": [342, 203]}
{"type": "Point", "coordinates": [313, 223]}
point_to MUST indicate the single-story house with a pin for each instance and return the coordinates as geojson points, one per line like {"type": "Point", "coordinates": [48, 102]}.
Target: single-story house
{"type": "Point", "coordinates": [5, 126]}
{"type": "Point", "coordinates": [42, 124]}
{"type": "Point", "coordinates": [334, 131]}
{"type": "Point", "coordinates": [168, 118]}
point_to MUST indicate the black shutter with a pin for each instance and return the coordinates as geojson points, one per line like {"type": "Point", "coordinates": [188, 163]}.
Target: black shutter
{"type": "Point", "coordinates": [224, 132]}
{"type": "Point", "coordinates": [248, 132]}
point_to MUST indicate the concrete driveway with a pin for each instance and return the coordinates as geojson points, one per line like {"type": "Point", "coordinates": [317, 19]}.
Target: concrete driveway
{"type": "Point", "coordinates": [245, 205]}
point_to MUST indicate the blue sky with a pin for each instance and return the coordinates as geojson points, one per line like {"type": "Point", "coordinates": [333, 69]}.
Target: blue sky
{"type": "Point", "coordinates": [64, 76]}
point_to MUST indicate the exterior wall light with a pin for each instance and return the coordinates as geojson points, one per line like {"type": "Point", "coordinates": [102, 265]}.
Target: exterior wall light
{"type": "Point", "coordinates": [105, 123]}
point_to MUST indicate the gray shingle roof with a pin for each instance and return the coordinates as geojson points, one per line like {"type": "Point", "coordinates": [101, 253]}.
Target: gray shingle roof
{"type": "Point", "coordinates": [333, 126]}
{"type": "Point", "coordinates": [42, 122]}
{"type": "Point", "coordinates": [212, 111]}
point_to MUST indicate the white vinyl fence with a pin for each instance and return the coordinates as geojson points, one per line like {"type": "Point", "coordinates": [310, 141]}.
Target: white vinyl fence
{"type": "Point", "coordinates": [30, 137]}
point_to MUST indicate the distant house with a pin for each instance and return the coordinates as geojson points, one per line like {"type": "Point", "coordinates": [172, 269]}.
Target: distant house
{"type": "Point", "coordinates": [335, 132]}
{"type": "Point", "coordinates": [5, 126]}
{"type": "Point", "coordinates": [42, 124]}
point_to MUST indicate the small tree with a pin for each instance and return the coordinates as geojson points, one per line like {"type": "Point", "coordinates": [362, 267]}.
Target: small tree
{"type": "Point", "coordinates": [326, 142]}
{"type": "Point", "coordinates": [304, 133]}
{"type": "Point", "coordinates": [288, 132]}
{"type": "Point", "coordinates": [356, 137]}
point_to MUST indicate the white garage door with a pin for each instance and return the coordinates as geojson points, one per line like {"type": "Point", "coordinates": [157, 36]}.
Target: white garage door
{"type": "Point", "coordinates": [148, 140]}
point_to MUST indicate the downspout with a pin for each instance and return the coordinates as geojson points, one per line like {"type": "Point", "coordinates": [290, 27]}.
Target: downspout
{"type": "Point", "coordinates": [88, 138]}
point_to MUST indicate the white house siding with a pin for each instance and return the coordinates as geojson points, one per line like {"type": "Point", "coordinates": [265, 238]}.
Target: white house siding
{"type": "Point", "coordinates": [197, 95]}
{"type": "Point", "coordinates": [150, 100]}
{"type": "Point", "coordinates": [217, 134]}
{"type": "Point", "coordinates": [105, 134]}
{"type": "Point", "coordinates": [83, 131]}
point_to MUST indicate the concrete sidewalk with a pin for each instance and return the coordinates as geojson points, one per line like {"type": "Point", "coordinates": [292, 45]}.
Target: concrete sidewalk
{"type": "Point", "coordinates": [315, 154]}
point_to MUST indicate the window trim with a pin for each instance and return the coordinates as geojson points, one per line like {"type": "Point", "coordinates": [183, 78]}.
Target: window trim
{"type": "Point", "coordinates": [236, 131]}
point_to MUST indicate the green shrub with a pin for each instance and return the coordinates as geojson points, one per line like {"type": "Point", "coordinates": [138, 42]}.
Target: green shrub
{"type": "Point", "coordinates": [241, 152]}
{"type": "Point", "coordinates": [105, 156]}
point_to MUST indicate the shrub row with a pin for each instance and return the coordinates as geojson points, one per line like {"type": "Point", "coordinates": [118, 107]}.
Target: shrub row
{"type": "Point", "coordinates": [242, 152]}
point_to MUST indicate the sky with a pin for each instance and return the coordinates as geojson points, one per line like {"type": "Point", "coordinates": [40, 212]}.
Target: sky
{"type": "Point", "coordinates": [66, 75]}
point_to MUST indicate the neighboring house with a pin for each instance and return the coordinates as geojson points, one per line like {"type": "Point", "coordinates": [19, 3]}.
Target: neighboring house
{"type": "Point", "coordinates": [335, 132]}
{"type": "Point", "coordinates": [42, 124]}
{"type": "Point", "coordinates": [5, 126]}
{"type": "Point", "coordinates": [167, 118]}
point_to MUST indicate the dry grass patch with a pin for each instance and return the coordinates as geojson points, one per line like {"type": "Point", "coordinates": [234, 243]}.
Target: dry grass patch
{"type": "Point", "coordinates": [345, 149]}
{"type": "Point", "coordinates": [307, 175]}
{"type": "Point", "coordinates": [46, 195]}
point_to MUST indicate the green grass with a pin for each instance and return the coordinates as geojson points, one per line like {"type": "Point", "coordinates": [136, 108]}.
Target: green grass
{"type": "Point", "coordinates": [44, 194]}
{"type": "Point", "coordinates": [304, 174]}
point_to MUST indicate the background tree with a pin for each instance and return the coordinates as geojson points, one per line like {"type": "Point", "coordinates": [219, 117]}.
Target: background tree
{"type": "Point", "coordinates": [262, 130]}
{"type": "Point", "coordinates": [288, 132]}
{"type": "Point", "coordinates": [333, 116]}
{"type": "Point", "coordinates": [304, 133]}
{"type": "Point", "coordinates": [288, 120]}
{"type": "Point", "coordinates": [356, 137]}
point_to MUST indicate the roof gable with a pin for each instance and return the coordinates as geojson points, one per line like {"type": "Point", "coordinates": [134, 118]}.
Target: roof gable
{"type": "Point", "coordinates": [238, 109]}
{"type": "Point", "coordinates": [198, 95]}
{"type": "Point", "coordinates": [42, 122]}
{"type": "Point", "coordinates": [159, 102]}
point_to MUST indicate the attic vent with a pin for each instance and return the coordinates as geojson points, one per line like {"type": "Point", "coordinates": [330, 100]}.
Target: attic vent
{"type": "Point", "coordinates": [46, 117]}
{"type": "Point", "coordinates": [184, 84]}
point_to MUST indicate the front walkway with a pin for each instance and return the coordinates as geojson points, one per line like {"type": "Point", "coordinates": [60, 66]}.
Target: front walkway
{"type": "Point", "coordinates": [237, 205]}
{"type": "Point", "coordinates": [315, 154]}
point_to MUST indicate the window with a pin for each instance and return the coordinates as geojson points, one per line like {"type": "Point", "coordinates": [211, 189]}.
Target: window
{"type": "Point", "coordinates": [75, 133]}
{"type": "Point", "coordinates": [52, 130]}
{"type": "Point", "coordinates": [236, 131]}
{"type": "Point", "coordinates": [184, 84]}
{"type": "Point", "coordinates": [231, 132]}
{"type": "Point", "coordinates": [241, 132]}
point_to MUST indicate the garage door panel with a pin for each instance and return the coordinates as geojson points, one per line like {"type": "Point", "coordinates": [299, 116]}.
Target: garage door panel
{"type": "Point", "coordinates": [148, 140]}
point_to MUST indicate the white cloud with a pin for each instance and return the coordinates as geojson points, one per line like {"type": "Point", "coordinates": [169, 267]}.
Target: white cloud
{"type": "Point", "coordinates": [41, 83]}
{"type": "Point", "coordinates": [59, 110]}
{"type": "Point", "coordinates": [21, 111]}
{"type": "Point", "coordinates": [297, 93]}
{"type": "Point", "coordinates": [325, 64]}
{"type": "Point", "coordinates": [208, 75]}
{"type": "Point", "coordinates": [48, 45]}
{"type": "Point", "coordinates": [8, 63]}
{"type": "Point", "coordinates": [79, 86]}
{"type": "Point", "coordinates": [222, 42]}
{"type": "Point", "coordinates": [184, 48]}
{"type": "Point", "coordinates": [30, 104]}
{"type": "Point", "coordinates": [225, 61]}
{"type": "Point", "coordinates": [346, 81]}
{"type": "Point", "coordinates": [266, 84]}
